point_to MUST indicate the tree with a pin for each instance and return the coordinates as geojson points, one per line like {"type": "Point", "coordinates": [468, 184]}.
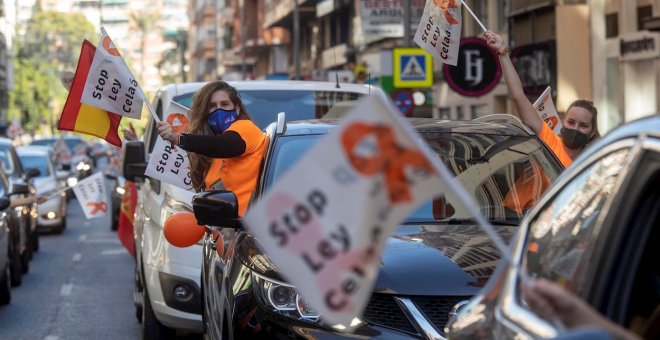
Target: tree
{"type": "Point", "coordinates": [51, 45]}
{"type": "Point", "coordinates": [144, 23]}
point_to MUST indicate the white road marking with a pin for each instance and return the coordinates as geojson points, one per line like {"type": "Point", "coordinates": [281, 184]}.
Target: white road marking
{"type": "Point", "coordinates": [82, 237]}
{"type": "Point", "coordinates": [76, 257]}
{"type": "Point", "coordinates": [66, 289]}
{"type": "Point", "coordinates": [113, 251]}
{"type": "Point", "coordinates": [87, 224]}
{"type": "Point", "coordinates": [51, 337]}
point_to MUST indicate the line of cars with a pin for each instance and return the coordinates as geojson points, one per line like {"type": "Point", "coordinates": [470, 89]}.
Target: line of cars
{"type": "Point", "coordinates": [40, 169]}
{"type": "Point", "coordinates": [432, 266]}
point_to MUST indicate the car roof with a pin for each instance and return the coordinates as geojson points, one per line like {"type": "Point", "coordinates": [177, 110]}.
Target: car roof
{"type": "Point", "coordinates": [284, 85]}
{"type": "Point", "coordinates": [4, 140]}
{"type": "Point", "coordinates": [33, 150]}
{"type": "Point", "coordinates": [422, 125]}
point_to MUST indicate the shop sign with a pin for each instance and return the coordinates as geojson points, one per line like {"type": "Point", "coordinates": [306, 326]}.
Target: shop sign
{"type": "Point", "coordinates": [639, 45]}
{"type": "Point", "coordinates": [478, 69]}
{"type": "Point", "coordinates": [536, 65]}
{"type": "Point", "coordinates": [384, 18]}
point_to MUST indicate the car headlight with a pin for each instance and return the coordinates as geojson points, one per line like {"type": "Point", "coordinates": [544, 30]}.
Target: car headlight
{"type": "Point", "coordinates": [283, 298]}
{"type": "Point", "coordinates": [80, 165]}
{"type": "Point", "coordinates": [71, 181]}
{"type": "Point", "coordinates": [120, 190]}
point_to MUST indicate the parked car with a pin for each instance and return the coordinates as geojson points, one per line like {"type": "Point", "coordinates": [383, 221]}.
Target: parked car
{"type": "Point", "coordinates": [63, 152]}
{"type": "Point", "coordinates": [595, 232]}
{"type": "Point", "coordinates": [6, 246]}
{"type": "Point", "coordinates": [26, 215]}
{"type": "Point", "coordinates": [11, 217]}
{"type": "Point", "coordinates": [51, 213]}
{"type": "Point", "coordinates": [436, 260]}
{"type": "Point", "coordinates": [167, 289]}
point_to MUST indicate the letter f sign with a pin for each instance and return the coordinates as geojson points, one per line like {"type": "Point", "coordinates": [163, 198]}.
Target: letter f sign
{"type": "Point", "coordinates": [474, 67]}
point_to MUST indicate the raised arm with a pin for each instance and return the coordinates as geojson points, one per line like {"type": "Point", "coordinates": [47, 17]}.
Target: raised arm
{"type": "Point", "coordinates": [525, 109]}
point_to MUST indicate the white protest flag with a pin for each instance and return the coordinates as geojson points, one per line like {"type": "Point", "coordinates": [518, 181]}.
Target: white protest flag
{"type": "Point", "coordinates": [90, 193]}
{"type": "Point", "coordinates": [166, 163]}
{"type": "Point", "coordinates": [326, 232]}
{"type": "Point", "coordinates": [439, 31]}
{"type": "Point", "coordinates": [110, 84]}
{"type": "Point", "coordinates": [545, 107]}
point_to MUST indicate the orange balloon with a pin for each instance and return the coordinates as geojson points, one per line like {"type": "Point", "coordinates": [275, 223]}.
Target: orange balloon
{"type": "Point", "coordinates": [181, 229]}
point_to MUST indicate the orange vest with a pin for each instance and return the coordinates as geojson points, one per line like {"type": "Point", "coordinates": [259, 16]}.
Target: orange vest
{"type": "Point", "coordinates": [239, 174]}
{"type": "Point", "coordinates": [555, 144]}
{"type": "Point", "coordinates": [527, 189]}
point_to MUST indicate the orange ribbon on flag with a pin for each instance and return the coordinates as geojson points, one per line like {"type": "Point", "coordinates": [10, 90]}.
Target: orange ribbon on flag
{"type": "Point", "coordinates": [97, 206]}
{"type": "Point", "coordinates": [391, 159]}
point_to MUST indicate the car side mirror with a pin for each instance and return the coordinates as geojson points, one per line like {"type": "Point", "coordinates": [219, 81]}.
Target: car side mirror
{"type": "Point", "coordinates": [20, 189]}
{"type": "Point", "coordinates": [32, 172]}
{"type": "Point", "coordinates": [4, 203]}
{"type": "Point", "coordinates": [134, 162]}
{"type": "Point", "coordinates": [217, 208]}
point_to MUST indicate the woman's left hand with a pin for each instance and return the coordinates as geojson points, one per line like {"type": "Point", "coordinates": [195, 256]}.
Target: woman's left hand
{"type": "Point", "coordinates": [166, 131]}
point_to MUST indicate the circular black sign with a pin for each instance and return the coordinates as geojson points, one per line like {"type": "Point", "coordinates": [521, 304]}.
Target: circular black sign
{"type": "Point", "coordinates": [477, 71]}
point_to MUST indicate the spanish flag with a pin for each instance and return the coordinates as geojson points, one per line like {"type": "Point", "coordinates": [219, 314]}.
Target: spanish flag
{"type": "Point", "coordinates": [78, 117]}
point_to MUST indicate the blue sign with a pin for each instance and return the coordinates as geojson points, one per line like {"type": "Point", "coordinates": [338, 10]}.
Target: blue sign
{"type": "Point", "coordinates": [413, 68]}
{"type": "Point", "coordinates": [404, 101]}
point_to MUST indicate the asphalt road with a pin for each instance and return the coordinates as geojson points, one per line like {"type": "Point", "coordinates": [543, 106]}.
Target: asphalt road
{"type": "Point", "coordinates": [80, 286]}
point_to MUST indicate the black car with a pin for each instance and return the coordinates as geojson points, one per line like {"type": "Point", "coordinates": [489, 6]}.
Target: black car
{"type": "Point", "coordinates": [433, 263]}
{"type": "Point", "coordinates": [596, 232]}
{"type": "Point", "coordinates": [26, 215]}
{"type": "Point", "coordinates": [10, 264]}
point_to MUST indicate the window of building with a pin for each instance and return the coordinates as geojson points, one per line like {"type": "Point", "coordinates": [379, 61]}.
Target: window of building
{"type": "Point", "coordinates": [643, 13]}
{"type": "Point", "coordinates": [611, 25]}
{"type": "Point", "coordinates": [444, 112]}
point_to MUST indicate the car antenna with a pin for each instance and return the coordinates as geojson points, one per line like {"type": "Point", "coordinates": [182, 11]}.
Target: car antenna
{"type": "Point", "coordinates": [369, 82]}
{"type": "Point", "coordinates": [334, 54]}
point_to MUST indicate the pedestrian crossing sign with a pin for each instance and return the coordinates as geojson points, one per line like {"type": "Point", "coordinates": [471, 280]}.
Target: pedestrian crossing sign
{"type": "Point", "coordinates": [413, 67]}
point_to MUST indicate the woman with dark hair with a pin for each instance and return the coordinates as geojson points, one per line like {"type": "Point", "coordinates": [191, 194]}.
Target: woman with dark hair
{"type": "Point", "coordinates": [580, 125]}
{"type": "Point", "coordinates": [224, 146]}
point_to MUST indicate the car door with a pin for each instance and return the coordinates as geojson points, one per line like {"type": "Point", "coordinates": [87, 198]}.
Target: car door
{"type": "Point", "coordinates": [626, 284]}
{"type": "Point", "coordinates": [565, 236]}
{"type": "Point", "coordinates": [151, 194]}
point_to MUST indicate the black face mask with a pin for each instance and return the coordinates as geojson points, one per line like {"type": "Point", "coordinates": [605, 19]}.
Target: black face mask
{"type": "Point", "coordinates": [573, 138]}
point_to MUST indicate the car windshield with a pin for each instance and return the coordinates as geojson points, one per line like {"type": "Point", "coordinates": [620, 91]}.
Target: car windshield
{"type": "Point", "coordinates": [264, 105]}
{"type": "Point", "coordinates": [504, 174]}
{"type": "Point", "coordinates": [38, 162]}
{"type": "Point", "coordinates": [6, 162]}
{"type": "Point", "coordinates": [46, 142]}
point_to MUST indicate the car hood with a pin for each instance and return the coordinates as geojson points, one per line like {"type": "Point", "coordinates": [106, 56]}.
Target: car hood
{"type": "Point", "coordinates": [417, 259]}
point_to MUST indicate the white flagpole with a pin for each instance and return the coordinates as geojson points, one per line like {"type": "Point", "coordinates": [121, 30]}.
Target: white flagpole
{"type": "Point", "coordinates": [151, 109]}
{"type": "Point", "coordinates": [474, 16]}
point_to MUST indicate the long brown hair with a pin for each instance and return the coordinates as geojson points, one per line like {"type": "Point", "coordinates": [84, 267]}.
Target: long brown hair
{"type": "Point", "coordinates": [589, 106]}
{"type": "Point", "coordinates": [200, 164]}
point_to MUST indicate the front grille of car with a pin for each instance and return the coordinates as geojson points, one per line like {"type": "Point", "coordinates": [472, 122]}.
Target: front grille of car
{"type": "Point", "coordinates": [383, 311]}
{"type": "Point", "coordinates": [436, 308]}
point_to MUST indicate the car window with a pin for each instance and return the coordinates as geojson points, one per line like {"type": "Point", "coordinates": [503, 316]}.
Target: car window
{"type": "Point", "coordinates": [6, 162]}
{"type": "Point", "coordinates": [504, 174]}
{"type": "Point", "coordinates": [264, 105]}
{"type": "Point", "coordinates": [561, 234]}
{"type": "Point", "coordinates": [37, 162]}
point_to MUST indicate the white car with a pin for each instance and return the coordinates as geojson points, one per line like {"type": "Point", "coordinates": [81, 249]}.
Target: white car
{"type": "Point", "coordinates": [51, 214]}
{"type": "Point", "coordinates": [167, 279]}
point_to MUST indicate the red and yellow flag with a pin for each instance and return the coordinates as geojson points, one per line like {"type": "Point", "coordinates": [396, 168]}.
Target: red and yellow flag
{"type": "Point", "coordinates": [78, 117]}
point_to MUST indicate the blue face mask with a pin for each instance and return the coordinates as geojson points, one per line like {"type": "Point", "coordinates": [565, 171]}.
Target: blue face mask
{"type": "Point", "coordinates": [220, 120]}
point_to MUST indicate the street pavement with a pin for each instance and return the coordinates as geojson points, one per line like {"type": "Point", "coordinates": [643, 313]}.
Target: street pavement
{"type": "Point", "coordinates": [80, 286]}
